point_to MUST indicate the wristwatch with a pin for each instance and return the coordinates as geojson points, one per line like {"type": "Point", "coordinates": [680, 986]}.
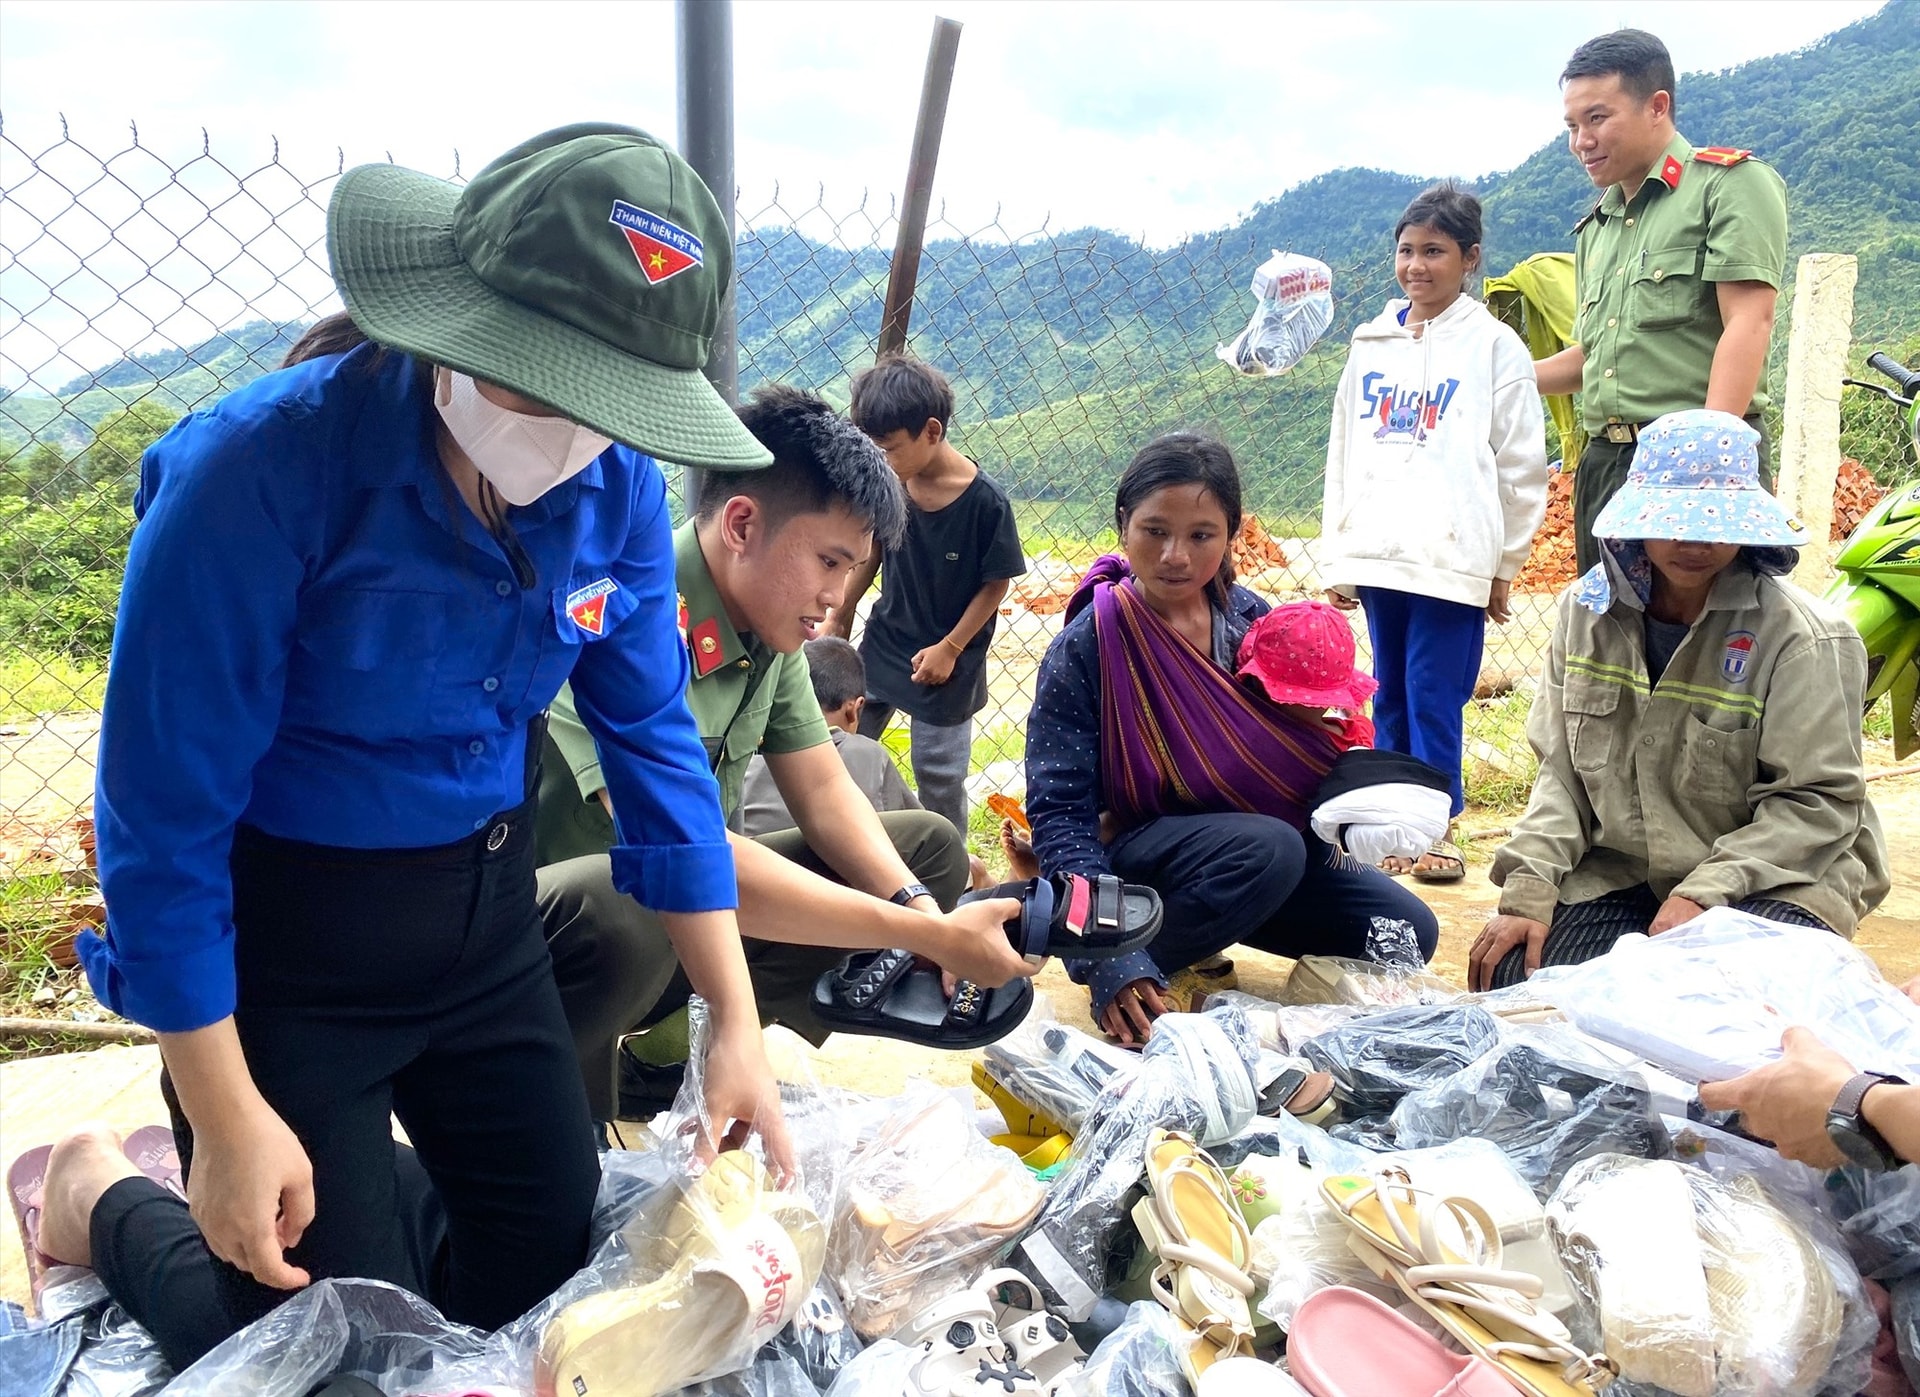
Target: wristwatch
{"type": "Point", "coordinates": [909, 893]}
{"type": "Point", "coordinates": [1850, 1131]}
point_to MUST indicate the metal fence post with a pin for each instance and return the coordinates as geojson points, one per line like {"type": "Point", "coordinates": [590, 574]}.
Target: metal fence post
{"type": "Point", "coordinates": [927, 127]}
{"type": "Point", "coordinates": [703, 59]}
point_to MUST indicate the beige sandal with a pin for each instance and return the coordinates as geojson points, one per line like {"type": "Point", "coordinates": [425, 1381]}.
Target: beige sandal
{"type": "Point", "coordinates": [1396, 1229]}
{"type": "Point", "coordinates": [1190, 1223]}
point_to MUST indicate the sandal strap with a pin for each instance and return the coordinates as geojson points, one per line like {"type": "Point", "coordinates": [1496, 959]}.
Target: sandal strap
{"type": "Point", "coordinates": [1520, 1282]}
{"type": "Point", "coordinates": [861, 984]}
{"type": "Point", "coordinates": [1210, 1262]}
{"type": "Point", "coordinates": [1210, 1174]}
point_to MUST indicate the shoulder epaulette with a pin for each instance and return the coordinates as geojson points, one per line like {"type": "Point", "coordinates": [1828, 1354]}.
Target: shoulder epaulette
{"type": "Point", "coordinates": [1721, 155]}
{"type": "Point", "coordinates": [1591, 214]}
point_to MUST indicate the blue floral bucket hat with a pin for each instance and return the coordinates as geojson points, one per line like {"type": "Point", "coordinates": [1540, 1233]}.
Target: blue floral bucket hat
{"type": "Point", "coordinates": [1696, 479]}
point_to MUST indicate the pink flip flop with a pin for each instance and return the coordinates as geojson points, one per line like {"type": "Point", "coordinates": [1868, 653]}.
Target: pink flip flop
{"type": "Point", "coordinates": [26, 1185]}
{"type": "Point", "coordinates": [1345, 1343]}
{"type": "Point", "coordinates": [152, 1150]}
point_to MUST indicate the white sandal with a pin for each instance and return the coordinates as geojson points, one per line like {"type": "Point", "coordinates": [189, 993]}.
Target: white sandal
{"type": "Point", "coordinates": [963, 1353]}
{"type": "Point", "coordinates": [1396, 1230]}
{"type": "Point", "coordinates": [1036, 1339]}
{"type": "Point", "coordinates": [1192, 1225]}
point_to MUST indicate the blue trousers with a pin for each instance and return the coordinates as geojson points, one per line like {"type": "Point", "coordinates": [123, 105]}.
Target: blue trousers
{"type": "Point", "coordinates": [1426, 655]}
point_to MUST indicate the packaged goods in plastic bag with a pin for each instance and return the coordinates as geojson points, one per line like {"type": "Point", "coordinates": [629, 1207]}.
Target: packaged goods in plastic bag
{"type": "Point", "coordinates": [1378, 1058]}
{"type": "Point", "coordinates": [1196, 1075]}
{"type": "Point", "coordinates": [929, 1204]}
{"type": "Point", "coordinates": [1879, 1216]}
{"type": "Point", "coordinates": [711, 1266]}
{"type": "Point", "coordinates": [1055, 1071]}
{"type": "Point", "coordinates": [1141, 1358]}
{"type": "Point", "coordinates": [1707, 1289]}
{"type": "Point", "coordinates": [1293, 306]}
{"type": "Point", "coordinates": [1711, 999]}
{"type": "Point", "coordinates": [1545, 1101]}
{"type": "Point", "coordinates": [1369, 984]}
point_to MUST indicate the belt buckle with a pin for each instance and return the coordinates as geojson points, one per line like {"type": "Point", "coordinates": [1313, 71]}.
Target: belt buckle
{"type": "Point", "coordinates": [1619, 433]}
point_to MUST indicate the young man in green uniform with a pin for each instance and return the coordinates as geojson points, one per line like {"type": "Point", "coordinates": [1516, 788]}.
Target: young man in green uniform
{"type": "Point", "coordinates": [764, 557]}
{"type": "Point", "coordinates": [1677, 268]}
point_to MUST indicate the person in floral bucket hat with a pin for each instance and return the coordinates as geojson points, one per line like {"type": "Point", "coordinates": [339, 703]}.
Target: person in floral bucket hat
{"type": "Point", "coordinates": [1697, 723]}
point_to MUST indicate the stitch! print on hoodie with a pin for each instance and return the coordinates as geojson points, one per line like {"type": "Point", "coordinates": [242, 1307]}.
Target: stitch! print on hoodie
{"type": "Point", "coordinates": [1436, 461]}
{"type": "Point", "coordinates": [1404, 412]}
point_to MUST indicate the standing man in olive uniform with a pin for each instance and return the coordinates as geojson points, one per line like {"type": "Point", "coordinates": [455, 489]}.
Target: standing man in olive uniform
{"type": "Point", "coordinates": [1676, 269]}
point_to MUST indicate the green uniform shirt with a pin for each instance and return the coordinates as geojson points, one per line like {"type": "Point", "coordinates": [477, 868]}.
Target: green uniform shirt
{"type": "Point", "coordinates": [1645, 270]}
{"type": "Point", "coordinates": [745, 698]}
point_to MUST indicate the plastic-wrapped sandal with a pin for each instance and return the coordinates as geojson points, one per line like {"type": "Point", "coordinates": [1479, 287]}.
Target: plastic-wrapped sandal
{"type": "Point", "coordinates": [1191, 1224]}
{"type": "Point", "coordinates": [1398, 1230]}
{"type": "Point", "coordinates": [1345, 1343]}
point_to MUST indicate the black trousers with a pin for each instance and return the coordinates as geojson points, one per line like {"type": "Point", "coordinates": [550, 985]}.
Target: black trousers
{"type": "Point", "coordinates": [408, 983]}
{"type": "Point", "coordinates": [1257, 881]}
{"type": "Point", "coordinates": [1580, 931]}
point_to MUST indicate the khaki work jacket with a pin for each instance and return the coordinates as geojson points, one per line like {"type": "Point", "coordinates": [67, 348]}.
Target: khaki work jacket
{"type": "Point", "coordinates": [1738, 775]}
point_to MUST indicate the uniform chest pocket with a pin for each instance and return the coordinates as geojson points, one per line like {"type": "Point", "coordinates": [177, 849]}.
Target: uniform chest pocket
{"type": "Point", "coordinates": [1667, 288]}
{"type": "Point", "coordinates": [1718, 766]}
{"type": "Point", "coordinates": [366, 659]}
{"type": "Point", "coordinates": [1592, 708]}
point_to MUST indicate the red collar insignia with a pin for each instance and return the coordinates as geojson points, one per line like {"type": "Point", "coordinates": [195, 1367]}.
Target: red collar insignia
{"type": "Point", "coordinates": [1670, 172]}
{"type": "Point", "coordinates": [703, 643]}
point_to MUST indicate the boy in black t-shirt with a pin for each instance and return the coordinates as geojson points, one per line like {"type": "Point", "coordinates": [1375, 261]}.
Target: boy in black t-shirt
{"type": "Point", "coordinates": [926, 640]}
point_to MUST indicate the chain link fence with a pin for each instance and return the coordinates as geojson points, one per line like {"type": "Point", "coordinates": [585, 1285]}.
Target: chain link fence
{"type": "Point", "coordinates": [133, 290]}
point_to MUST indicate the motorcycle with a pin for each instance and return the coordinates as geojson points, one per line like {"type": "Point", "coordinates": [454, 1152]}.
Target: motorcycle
{"type": "Point", "coordinates": [1878, 587]}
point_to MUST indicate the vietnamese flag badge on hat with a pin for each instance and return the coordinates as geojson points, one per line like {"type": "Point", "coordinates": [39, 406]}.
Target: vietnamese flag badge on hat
{"type": "Point", "coordinates": [584, 269]}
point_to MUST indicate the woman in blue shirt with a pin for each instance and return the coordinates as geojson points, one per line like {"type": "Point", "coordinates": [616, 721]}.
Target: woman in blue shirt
{"type": "Point", "coordinates": [355, 587]}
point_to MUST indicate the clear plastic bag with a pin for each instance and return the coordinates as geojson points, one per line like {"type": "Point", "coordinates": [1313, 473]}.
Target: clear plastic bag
{"type": "Point", "coordinates": [1708, 1289]}
{"type": "Point", "coordinates": [1879, 1216]}
{"type": "Point", "coordinates": [1141, 1358]}
{"type": "Point", "coordinates": [1055, 1070]}
{"type": "Point", "coordinates": [1293, 306]}
{"type": "Point", "coordinates": [1542, 1099]}
{"type": "Point", "coordinates": [117, 1358]}
{"type": "Point", "coordinates": [1365, 983]}
{"type": "Point", "coordinates": [709, 1267]}
{"type": "Point", "coordinates": [1377, 1059]}
{"type": "Point", "coordinates": [929, 1204]}
{"type": "Point", "coordinates": [1195, 1076]}
{"type": "Point", "coordinates": [1710, 1000]}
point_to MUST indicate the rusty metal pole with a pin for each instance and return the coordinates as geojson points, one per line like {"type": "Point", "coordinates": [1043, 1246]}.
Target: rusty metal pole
{"type": "Point", "coordinates": [905, 271]}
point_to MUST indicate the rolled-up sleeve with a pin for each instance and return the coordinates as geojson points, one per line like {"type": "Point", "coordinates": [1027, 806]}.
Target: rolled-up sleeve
{"type": "Point", "coordinates": [194, 694]}
{"type": "Point", "coordinates": [630, 691]}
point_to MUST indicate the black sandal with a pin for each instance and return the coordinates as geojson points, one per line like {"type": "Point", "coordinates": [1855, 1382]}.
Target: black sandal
{"type": "Point", "coordinates": [1078, 918]}
{"type": "Point", "coordinates": [884, 993]}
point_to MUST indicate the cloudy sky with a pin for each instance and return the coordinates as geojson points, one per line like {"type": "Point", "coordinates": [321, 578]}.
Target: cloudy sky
{"type": "Point", "coordinates": [1156, 118]}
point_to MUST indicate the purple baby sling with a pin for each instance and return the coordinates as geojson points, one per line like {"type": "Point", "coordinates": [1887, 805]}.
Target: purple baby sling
{"type": "Point", "coordinates": [1178, 734]}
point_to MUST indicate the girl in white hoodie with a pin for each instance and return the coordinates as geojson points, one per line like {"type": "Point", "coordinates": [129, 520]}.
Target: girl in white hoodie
{"type": "Point", "coordinates": [1436, 481]}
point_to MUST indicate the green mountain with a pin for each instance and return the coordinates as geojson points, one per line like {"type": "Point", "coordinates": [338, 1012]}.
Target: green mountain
{"type": "Point", "coordinates": [1070, 349]}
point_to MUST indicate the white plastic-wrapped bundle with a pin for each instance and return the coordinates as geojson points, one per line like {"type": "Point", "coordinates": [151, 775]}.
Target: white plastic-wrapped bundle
{"type": "Point", "coordinates": [1293, 306]}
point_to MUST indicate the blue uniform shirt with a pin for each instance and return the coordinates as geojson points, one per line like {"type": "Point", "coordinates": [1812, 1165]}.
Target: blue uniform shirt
{"type": "Point", "coordinates": [317, 638]}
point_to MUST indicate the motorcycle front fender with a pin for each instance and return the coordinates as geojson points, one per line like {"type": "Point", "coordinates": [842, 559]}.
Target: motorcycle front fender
{"type": "Point", "coordinates": [1889, 627]}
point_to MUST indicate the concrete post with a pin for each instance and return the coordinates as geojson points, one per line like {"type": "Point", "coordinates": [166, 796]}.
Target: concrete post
{"type": "Point", "coordinates": [1818, 336]}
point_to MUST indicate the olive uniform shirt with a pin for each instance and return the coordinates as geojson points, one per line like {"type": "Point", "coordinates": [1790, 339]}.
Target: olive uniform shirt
{"type": "Point", "coordinates": [1644, 273]}
{"type": "Point", "coordinates": [745, 698]}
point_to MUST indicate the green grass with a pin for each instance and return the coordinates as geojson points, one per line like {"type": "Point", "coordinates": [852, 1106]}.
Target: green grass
{"type": "Point", "coordinates": [33, 917]}
{"type": "Point", "coordinates": [1499, 788]}
{"type": "Point", "coordinates": [33, 682]}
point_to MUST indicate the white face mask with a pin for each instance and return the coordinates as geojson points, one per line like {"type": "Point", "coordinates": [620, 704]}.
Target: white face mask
{"type": "Point", "coordinates": [523, 457]}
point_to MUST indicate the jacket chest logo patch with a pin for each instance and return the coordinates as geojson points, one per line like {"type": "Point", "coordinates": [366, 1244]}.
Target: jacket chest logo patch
{"type": "Point", "coordinates": [1738, 658]}
{"type": "Point", "coordinates": [588, 605]}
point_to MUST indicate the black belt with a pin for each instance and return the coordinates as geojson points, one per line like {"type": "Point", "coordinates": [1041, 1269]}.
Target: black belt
{"type": "Point", "coordinates": [1624, 433]}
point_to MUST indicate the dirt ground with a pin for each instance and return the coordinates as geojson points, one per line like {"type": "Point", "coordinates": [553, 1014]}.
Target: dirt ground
{"type": "Point", "coordinates": [41, 1097]}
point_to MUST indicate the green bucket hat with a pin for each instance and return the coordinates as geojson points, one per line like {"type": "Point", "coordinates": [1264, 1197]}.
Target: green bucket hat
{"type": "Point", "coordinates": [583, 269]}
